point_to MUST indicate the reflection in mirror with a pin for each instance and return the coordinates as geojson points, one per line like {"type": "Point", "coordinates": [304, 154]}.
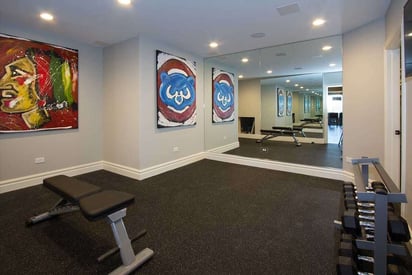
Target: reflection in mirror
{"type": "Point", "coordinates": [282, 95]}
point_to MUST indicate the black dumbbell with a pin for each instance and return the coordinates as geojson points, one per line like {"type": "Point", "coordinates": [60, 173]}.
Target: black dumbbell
{"type": "Point", "coordinates": [352, 261]}
{"type": "Point", "coordinates": [398, 228]}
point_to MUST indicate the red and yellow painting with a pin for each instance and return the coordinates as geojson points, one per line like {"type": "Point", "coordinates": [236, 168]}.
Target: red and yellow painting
{"type": "Point", "coordinates": [38, 86]}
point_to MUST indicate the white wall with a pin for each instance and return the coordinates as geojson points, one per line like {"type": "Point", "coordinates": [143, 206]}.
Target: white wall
{"type": "Point", "coordinates": [363, 88]}
{"type": "Point", "coordinates": [61, 148]}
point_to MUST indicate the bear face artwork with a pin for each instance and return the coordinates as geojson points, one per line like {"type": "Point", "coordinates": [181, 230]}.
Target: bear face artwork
{"type": "Point", "coordinates": [223, 96]}
{"type": "Point", "coordinates": [176, 91]}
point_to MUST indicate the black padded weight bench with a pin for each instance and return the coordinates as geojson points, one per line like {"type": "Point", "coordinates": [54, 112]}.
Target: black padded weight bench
{"type": "Point", "coordinates": [282, 131]}
{"type": "Point", "coordinates": [96, 204]}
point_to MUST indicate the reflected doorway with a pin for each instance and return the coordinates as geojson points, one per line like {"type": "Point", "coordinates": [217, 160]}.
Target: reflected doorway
{"type": "Point", "coordinates": [335, 115]}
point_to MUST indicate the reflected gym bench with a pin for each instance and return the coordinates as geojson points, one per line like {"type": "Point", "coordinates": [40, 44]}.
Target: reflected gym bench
{"type": "Point", "coordinates": [96, 204]}
{"type": "Point", "coordinates": [282, 131]}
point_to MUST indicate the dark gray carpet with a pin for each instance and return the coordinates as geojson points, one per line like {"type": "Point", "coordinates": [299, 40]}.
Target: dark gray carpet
{"type": "Point", "coordinates": [205, 218]}
{"type": "Point", "coordinates": [323, 155]}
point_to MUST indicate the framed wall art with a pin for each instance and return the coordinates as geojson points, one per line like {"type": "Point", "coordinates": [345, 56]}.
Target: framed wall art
{"type": "Point", "coordinates": [223, 96]}
{"type": "Point", "coordinates": [281, 102]}
{"type": "Point", "coordinates": [38, 85]}
{"type": "Point", "coordinates": [289, 99]}
{"type": "Point", "coordinates": [176, 91]}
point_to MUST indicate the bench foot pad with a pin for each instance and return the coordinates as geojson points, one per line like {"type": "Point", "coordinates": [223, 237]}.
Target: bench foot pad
{"type": "Point", "coordinates": [140, 259]}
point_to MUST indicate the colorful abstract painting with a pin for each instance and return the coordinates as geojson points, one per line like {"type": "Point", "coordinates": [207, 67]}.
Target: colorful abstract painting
{"type": "Point", "coordinates": [38, 86]}
{"type": "Point", "coordinates": [176, 91]}
{"type": "Point", "coordinates": [223, 96]}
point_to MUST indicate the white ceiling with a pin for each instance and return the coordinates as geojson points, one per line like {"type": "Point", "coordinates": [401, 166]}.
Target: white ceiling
{"type": "Point", "coordinates": [191, 24]}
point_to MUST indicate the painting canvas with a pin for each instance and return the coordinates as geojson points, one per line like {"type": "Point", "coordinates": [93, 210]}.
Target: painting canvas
{"type": "Point", "coordinates": [281, 102]}
{"type": "Point", "coordinates": [38, 86]}
{"type": "Point", "coordinates": [306, 104]}
{"type": "Point", "coordinates": [223, 96]}
{"type": "Point", "coordinates": [288, 103]}
{"type": "Point", "coordinates": [176, 91]}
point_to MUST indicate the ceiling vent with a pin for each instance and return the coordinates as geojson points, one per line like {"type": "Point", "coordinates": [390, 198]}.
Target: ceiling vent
{"type": "Point", "coordinates": [288, 9]}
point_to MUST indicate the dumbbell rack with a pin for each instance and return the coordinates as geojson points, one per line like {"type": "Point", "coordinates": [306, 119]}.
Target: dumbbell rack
{"type": "Point", "coordinates": [380, 245]}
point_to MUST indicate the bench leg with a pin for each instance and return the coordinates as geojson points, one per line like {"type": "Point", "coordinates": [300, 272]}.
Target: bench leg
{"type": "Point", "coordinates": [61, 207]}
{"type": "Point", "coordinates": [129, 259]}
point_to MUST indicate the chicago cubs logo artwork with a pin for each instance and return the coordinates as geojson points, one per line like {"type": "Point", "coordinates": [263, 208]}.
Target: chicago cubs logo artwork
{"type": "Point", "coordinates": [223, 99]}
{"type": "Point", "coordinates": [176, 91]}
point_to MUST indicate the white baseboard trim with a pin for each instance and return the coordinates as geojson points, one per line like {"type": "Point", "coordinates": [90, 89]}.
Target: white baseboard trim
{"type": "Point", "coordinates": [323, 172]}
{"type": "Point", "coordinates": [36, 179]}
{"type": "Point", "coordinates": [225, 148]}
{"type": "Point", "coordinates": [153, 170]}
{"type": "Point", "coordinates": [141, 174]}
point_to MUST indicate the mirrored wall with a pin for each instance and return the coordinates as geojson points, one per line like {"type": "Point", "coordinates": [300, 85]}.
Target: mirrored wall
{"type": "Point", "coordinates": [284, 86]}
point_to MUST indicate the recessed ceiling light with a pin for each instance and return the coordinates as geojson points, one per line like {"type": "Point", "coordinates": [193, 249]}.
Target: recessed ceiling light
{"type": "Point", "coordinates": [213, 44]}
{"type": "Point", "coordinates": [241, 76]}
{"type": "Point", "coordinates": [409, 34]}
{"type": "Point", "coordinates": [124, 2]}
{"type": "Point", "coordinates": [269, 71]}
{"type": "Point", "coordinates": [332, 65]}
{"type": "Point", "coordinates": [245, 60]}
{"type": "Point", "coordinates": [46, 16]}
{"type": "Point", "coordinates": [318, 22]}
{"type": "Point", "coordinates": [326, 48]}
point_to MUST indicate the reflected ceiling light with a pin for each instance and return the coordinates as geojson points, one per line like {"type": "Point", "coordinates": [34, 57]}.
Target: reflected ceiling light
{"type": "Point", "coordinates": [245, 60]}
{"type": "Point", "coordinates": [326, 48]}
{"type": "Point", "coordinates": [269, 71]}
{"type": "Point", "coordinates": [124, 2]}
{"type": "Point", "coordinates": [409, 34]}
{"type": "Point", "coordinates": [296, 85]}
{"type": "Point", "coordinates": [307, 90]}
{"type": "Point", "coordinates": [213, 44]}
{"type": "Point", "coordinates": [46, 16]}
{"type": "Point", "coordinates": [332, 65]}
{"type": "Point", "coordinates": [241, 76]}
{"type": "Point", "coordinates": [318, 22]}
{"type": "Point", "coordinates": [302, 87]}
{"type": "Point", "coordinates": [287, 80]}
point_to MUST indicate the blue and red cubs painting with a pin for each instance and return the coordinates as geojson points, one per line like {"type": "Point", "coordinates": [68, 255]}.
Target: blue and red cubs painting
{"type": "Point", "coordinates": [176, 91]}
{"type": "Point", "coordinates": [223, 96]}
{"type": "Point", "coordinates": [38, 86]}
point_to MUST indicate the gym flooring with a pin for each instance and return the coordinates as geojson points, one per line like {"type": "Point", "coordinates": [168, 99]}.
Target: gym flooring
{"type": "Point", "coordinates": [208, 217]}
{"type": "Point", "coordinates": [323, 155]}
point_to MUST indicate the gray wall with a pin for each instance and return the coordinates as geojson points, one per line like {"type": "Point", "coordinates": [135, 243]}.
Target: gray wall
{"type": "Point", "coordinates": [131, 137]}
{"type": "Point", "coordinates": [62, 148]}
{"type": "Point", "coordinates": [363, 89]}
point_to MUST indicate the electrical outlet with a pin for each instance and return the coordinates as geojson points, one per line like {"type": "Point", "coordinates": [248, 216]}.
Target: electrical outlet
{"type": "Point", "coordinates": [39, 160]}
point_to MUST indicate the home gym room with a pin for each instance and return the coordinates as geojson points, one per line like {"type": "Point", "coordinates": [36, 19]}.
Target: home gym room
{"type": "Point", "coordinates": [164, 189]}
